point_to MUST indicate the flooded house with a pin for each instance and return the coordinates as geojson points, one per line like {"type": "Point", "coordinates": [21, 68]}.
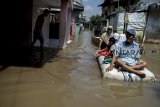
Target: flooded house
{"type": "Point", "coordinates": [25, 14]}
{"type": "Point", "coordinates": [137, 14]}
{"type": "Point", "coordinates": [20, 21]}
{"type": "Point", "coordinates": [56, 27]}
{"type": "Point", "coordinates": [120, 14]}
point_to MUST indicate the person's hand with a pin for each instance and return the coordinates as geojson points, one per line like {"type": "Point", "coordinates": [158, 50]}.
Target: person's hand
{"type": "Point", "coordinates": [109, 68]}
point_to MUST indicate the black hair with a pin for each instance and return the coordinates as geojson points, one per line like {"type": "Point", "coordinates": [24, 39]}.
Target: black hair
{"type": "Point", "coordinates": [46, 11]}
{"type": "Point", "coordinates": [112, 40]}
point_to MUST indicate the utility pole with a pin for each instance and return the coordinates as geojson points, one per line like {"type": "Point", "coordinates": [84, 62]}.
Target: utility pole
{"type": "Point", "coordinates": [127, 7]}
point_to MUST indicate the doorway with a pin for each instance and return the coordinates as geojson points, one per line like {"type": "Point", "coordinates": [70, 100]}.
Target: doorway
{"type": "Point", "coordinates": [54, 29]}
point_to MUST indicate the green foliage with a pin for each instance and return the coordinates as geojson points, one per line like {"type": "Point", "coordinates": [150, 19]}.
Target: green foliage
{"type": "Point", "coordinates": [120, 8]}
{"type": "Point", "coordinates": [95, 19]}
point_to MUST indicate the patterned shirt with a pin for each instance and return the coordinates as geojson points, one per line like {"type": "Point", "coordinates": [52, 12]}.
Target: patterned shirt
{"type": "Point", "coordinates": [124, 51]}
{"type": "Point", "coordinates": [105, 37]}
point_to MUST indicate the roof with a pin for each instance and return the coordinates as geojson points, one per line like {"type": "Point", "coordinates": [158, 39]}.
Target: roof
{"type": "Point", "coordinates": [144, 7]}
{"type": "Point", "coordinates": [77, 5]}
{"type": "Point", "coordinates": [154, 6]}
{"type": "Point", "coordinates": [108, 2]}
{"type": "Point", "coordinates": [105, 3]}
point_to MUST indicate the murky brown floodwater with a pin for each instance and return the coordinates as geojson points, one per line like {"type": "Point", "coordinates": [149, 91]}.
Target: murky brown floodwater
{"type": "Point", "coordinates": [73, 79]}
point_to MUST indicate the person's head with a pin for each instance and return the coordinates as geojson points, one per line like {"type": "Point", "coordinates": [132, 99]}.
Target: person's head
{"type": "Point", "coordinates": [112, 41]}
{"type": "Point", "coordinates": [46, 12]}
{"type": "Point", "coordinates": [109, 30]}
{"type": "Point", "coordinates": [130, 35]}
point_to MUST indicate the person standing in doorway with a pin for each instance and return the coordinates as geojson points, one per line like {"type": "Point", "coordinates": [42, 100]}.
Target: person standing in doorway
{"type": "Point", "coordinates": [38, 35]}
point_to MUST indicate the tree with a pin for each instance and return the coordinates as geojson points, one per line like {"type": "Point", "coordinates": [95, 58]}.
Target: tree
{"type": "Point", "coordinates": [95, 19]}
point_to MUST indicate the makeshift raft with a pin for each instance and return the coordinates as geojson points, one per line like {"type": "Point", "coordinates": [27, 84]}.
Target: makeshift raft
{"type": "Point", "coordinates": [123, 75]}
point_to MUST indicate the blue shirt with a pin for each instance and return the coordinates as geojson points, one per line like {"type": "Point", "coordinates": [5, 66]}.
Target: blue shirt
{"type": "Point", "coordinates": [128, 51]}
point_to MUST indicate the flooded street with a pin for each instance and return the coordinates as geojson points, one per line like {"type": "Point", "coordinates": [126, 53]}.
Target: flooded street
{"type": "Point", "coordinates": [73, 79]}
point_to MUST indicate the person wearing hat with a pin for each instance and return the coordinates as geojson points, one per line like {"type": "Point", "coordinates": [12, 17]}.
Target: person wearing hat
{"type": "Point", "coordinates": [127, 55]}
{"type": "Point", "coordinates": [104, 38]}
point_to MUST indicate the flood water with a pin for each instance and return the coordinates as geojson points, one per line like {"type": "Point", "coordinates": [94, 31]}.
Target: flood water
{"type": "Point", "coordinates": [73, 79]}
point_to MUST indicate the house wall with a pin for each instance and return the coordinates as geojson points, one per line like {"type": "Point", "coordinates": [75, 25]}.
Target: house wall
{"type": "Point", "coordinates": [153, 29]}
{"type": "Point", "coordinates": [20, 22]}
{"type": "Point", "coordinates": [64, 27]}
{"type": "Point", "coordinates": [64, 23]}
{"type": "Point", "coordinates": [38, 7]}
{"type": "Point", "coordinates": [67, 38]}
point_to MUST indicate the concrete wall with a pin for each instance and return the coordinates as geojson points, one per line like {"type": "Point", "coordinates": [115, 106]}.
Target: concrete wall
{"type": "Point", "coordinates": [63, 23]}
{"type": "Point", "coordinates": [65, 18]}
{"type": "Point", "coordinates": [153, 26]}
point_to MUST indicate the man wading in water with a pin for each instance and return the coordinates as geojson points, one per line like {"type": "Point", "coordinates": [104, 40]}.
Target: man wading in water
{"type": "Point", "coordinates": [38, 30]}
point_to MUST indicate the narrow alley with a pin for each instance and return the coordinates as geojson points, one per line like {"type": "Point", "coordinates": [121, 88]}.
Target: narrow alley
{"type": "Point", "coordinates": [73, 79]}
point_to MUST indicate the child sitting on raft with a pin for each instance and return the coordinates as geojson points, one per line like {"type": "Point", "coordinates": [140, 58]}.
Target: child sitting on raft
{"type": "Point", "coordinates": [106, 52]}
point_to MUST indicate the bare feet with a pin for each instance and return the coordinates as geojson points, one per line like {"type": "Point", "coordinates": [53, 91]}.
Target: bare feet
{"type": "Point", "coordinates": [142, 75]}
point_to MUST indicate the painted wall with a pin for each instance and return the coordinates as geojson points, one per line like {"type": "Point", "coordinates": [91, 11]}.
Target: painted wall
{"type": "Point", "coordinates": [65, 23]}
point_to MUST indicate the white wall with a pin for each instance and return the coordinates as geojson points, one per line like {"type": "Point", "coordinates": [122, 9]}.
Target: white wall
{"type": "Point", "coordinates": [153, 26]}
{"type": "Point", "coordinates": [38, 6]}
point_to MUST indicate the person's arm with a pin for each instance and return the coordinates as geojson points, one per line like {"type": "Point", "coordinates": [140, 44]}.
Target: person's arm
{"type": "Point", "coordinates": [138, 55]}
{"type": "Point", "coordinates": [100, 43]}
{"type": "Point", "coordinates": [101, 40]}
{"type": "Point", "coordinates": [114, 58]}
{"type": "Point", "coordinates": [112, 63]}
